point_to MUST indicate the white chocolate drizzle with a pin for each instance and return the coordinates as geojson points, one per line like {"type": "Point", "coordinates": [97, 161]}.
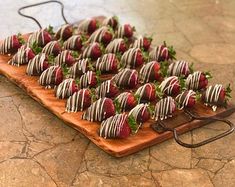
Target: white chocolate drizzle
{"type": "Point", "coordinates": [84, 25]}
{"type": "Point", "coordinates": [71, 42]}
{"type": "Point", "coordinates": [49, 76]}
{"type": "Point", "coordinates": [157, 53]}
{"type": "Point", "coordinates": [86, 79]}
{"type": "Point", "coordinates": [59, 34]}
{"type": "Point", "coordinates": [122, 100]}
{"type": "Point", "coordinates": [36, 37]}
{"type": "Point", "coordinates": [177, 68]}
{"type": "Point", "coordinates": [79, 68]}
{"type": "Point", "coordinates": [120, 32]}
{"type": "Point", "coordinates": [164, 108]}
{"type": "Point", "coordinates": [111, 127]}
{"type": "Point", "coordinates": [129, 58]}
{"type": "Point", "coordinates": [98, 34]}
{"type": "Point", "coordinates": [147, 72]}
{"type": "Point", "coordinates": [138, 111]}
{"type": "Point", "coordinates": [49, 48]}
{"type": "Point", "coordinates": [35, 65]}
{"type": "Point", "coordinates": [103, 89]}
{"type": "Point", "coordinates": [138, 42]}
{"type": "Point", "coordinates": [21, 57]}
{"type": "Point", "coordinates": [142, 90]}
{"type": "Point", "coordinates": [109, 21]}
{"type": "Point", "coordinates": [6, 45]}
{"type": "Point", "coordinates": [192, 81]}
{"type": "Point", "coordinates": [105, 63]}
{"type": "Point", "coordinates": [60, 60]}
{"type": "Point", "coordinates": [168, 84]}
{"type": "Point", "coordinates": [88, 50]}
{"type": "Point", "coordinates": [114, 45]}
{"type": "Point", "coordinates": [65, 89]}
{"type": "Point", "coordinates": [183, 98]}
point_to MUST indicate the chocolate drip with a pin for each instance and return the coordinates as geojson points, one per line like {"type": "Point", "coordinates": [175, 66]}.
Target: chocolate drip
{"type": "Point", "coordinates": [65, 89]}
{"type": "Point", "coordinates": [21, 57]}
{"type": "Point", "coordinates": [164, 108]}
{"type": "Point", "coordinates": [79, 68]}
{"type": "Point", "coordinates": [192, 81]}
{"type": "Point", "coordinates": [96, 111]}
{"type": "Point", "coordinates": [129, 58]}
{"type": "Point", "coordinates": [183, 98]}
{"type": "Point", "coordinates": [111, 127]}
{"type": "Point", "coordinates": [147, 72]}
{"type": "Point", "coordinates": [178, 68]}
{"type": "Point", "coordinates": [105, 63]}
{"type": "Point", "coordinates": [124, 77]}
{"type": "Point", "coordinates": [168, 84]}
{"type": "Point", "coordinates": [35, 65]}
{"type": "Point", "coordinates": [76, 102]}
{"type": "Point", "coordinates": [114, 45]}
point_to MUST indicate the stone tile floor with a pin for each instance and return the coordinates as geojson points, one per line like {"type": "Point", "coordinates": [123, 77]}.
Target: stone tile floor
{"type": "Point", "coordinates": [37, 149]}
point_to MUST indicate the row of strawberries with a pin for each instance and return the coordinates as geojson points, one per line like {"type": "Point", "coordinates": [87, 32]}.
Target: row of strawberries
{"type": "Point", "coordinates": [112, 49]}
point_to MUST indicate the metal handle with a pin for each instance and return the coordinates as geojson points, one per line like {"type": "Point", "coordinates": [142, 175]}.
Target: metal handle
{"type": "Point", "coordinates": [212, 119]}
{"type": "Point", "coordinates": [37, 4]}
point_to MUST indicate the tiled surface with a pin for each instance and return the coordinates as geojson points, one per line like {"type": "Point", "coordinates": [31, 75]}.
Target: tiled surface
{"type": "Point", "coordinates": [37, 149]}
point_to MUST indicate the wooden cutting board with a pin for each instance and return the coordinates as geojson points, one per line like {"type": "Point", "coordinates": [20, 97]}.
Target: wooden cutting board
{"type": "Point", "coordinates": [145, 137]}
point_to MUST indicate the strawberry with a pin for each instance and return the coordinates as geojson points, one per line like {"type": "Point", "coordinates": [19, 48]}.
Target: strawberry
{"type": "Point", "coordinates": [216, 95]}
{"type": "Point", "coordinates": [162, 53]}
{"type": "Point", "coordinates": [40, 38]}
{"type": "Point", "coordinates": [66, 88]}
{"type": "Point", "coordinates": [11, 44]}
{"type": "Point", "coordinates": [126, 78]}
{"type": "Point", "coordinates": [88, 79]}
{"type": "Point", "coordinates": [79, 68]}
{"type": "Point", "coordinates": [64, 32]}
{"type": "Point", "coordinates": [150, 72]}
{"type": "Point", "coordinates": [23, 56]}
{"type": "Point", "coordinates": [37, 65]}
{"type": "Point", "coordinates": [111, 21]}
{"type": "Point", "coordinates": [142, 42]}
{"type": "Point", "coordinates": [107, 89]}
{"type": "Point", "coordinates": [179, 68]}
{"type": "Point", "coordinates": [88, 25]}
{"type": "Point", "coordinates": [103, 34]}
{"type": "Point", "coordinates": [140, 113]}
{"type": "Point", "coordinates": [107, 63]}
{"type": "Point", "coordinates": [100, 110]}
{"type": "Point", "coordinates": [51, 77]}
{"type": "Point", "coordinates": [79, 101]}
{"type": "Point", "coordinates": [116, 46]}
{"type": "Point", "coordinates": [93, 51]}
{"type": "Point", "coordinates": [117, 126]}
{"type": "Point", "coordinates": [146, 92]}
{"type": "Point", "coordinates": [52, 48]}
{"type": "Point", "coordinates": [197, 80]}
{"type": "Point", "coordinates": [164, 108]}
{"type": "Point", "coordinates": [65, 58]}
{"type": "Point", "coordinates": [74, 43]}
{"type": "Point", "coordinates": [170, 86]}
{"type": "Point", "coordinates": [186, 99]}
{"type": "Point", "coordinates": [125, 31]}
{"type": "Point", "coordinates": [132, 58]}
{"type": "Point", "coordinates": [125, 101]}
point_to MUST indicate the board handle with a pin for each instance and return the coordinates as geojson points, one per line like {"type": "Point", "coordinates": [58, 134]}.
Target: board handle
{"type": "Point", "coordinates": [209, 140]}
{"type": "Point", "coordinates": [38, 4]}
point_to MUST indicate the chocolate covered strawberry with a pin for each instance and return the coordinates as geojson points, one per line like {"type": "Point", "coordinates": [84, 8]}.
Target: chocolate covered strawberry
{"type": "Point", "coordinates": [75, 43]}
{"type": "Point", "coordinates": [64, 32]}
{"type": "Point", "coordinates": [88, 26]}
{"type": "Point", "coordinates": [23, 56]}
{"type": "Point", "coordinates": [116, 46]}
{"type": "Point", "coordinates": [52, 48]}
{"type": "Point", "coordinates": [146, 93]}
{"type": "Point", "coordinates": [126, 78]}
{"type": "Point", "coordinates": [66, 88]}
{"type": "Point", "coordinates": [93, 51]}
{"type": "Point", "coordinates": [125, 31]}
{"type": "Point", "coordinates": [162, 53]}
{"type": "Point", "coordinates": [100, 110]}
{"type": "Point", "coordinates": [107, 89]}
{"type": "Point", "coordinates": [11, 44]}
{"type": "Point", "coordinates": [170, 86]}
{"type": "Point", "coordinates": [40, 38]}
{"type": "Point", "coordinates": [79, 101]}
{"type": "Point", "coordinates": [111, 21]}
{"type": "Point", "coordinates": [51, 77]}
{"type": "Point", "coordinates": [65, 58]}
{"type": "Point", "coordinates": [37, 65]}
{"type": "Point", "coordinates": [118, 126]}
{"type": "Point", "coordinates": [107, 63]}
{"type": "Point", "coordinates": [164, 108]}
{"type": "Point", "coordinates": [179, 68]}
{"type": "Point", "coordinates": [89, 79]}
{"type": "Point", "coordinates": [150, 72]}
{"type": "Point", "coordinates": [102, 35]}
{"type": "Point", "coordinates": [216, 95]}
{"type": "Point", "coordinates": [79, 68]}
{"type": "Point", "coordinates": [132, 58]}
{"type": "Point", "coordinates": [142, 42]}
{"type": "Point", "coordinates": [126, 101]}
{"type": "Point", "coordinates": [186, 99]}
{"type": "Point", "coordinates": [140, 113]}
{"type": "Point", "coordinates": [197, 80]}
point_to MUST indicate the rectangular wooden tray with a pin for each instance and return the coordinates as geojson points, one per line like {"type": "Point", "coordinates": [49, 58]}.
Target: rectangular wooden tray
{"type": "Point", "coordinates": [146, 137]}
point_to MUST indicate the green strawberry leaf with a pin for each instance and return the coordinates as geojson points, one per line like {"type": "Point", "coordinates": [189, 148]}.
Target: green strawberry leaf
{"type": "Point", "coordinates": [208, 75]}
{"type": "Point", "coordinates": [182, 83]}
{"type": "Point", "coordinates": [159, 92]}
{"type": "Point", "coordinates": [132, 123]}
{"type": "Point", "coordinates": [75, 54]}
{"type": "Point", "coordinates": [198, 96]}
{"type": "Point", "coordinates": [51, 59]}
{"type": "Point", "coordinates": [228, 91]}
{"type": "Point", "coordinates": [164, 68]}
{"type": "Point", "coordinates": [36, 49]}
{"type": "Point", "coordinates": [117, 106]}
{"type": "Point", "coordinates": [50, 30]}
{"type": "Point", "coordinates": [20, 38]}
{"type": "Point", "coordinates": [137, 97]}
{"type": "Point", "coordinates": [191, 68]}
